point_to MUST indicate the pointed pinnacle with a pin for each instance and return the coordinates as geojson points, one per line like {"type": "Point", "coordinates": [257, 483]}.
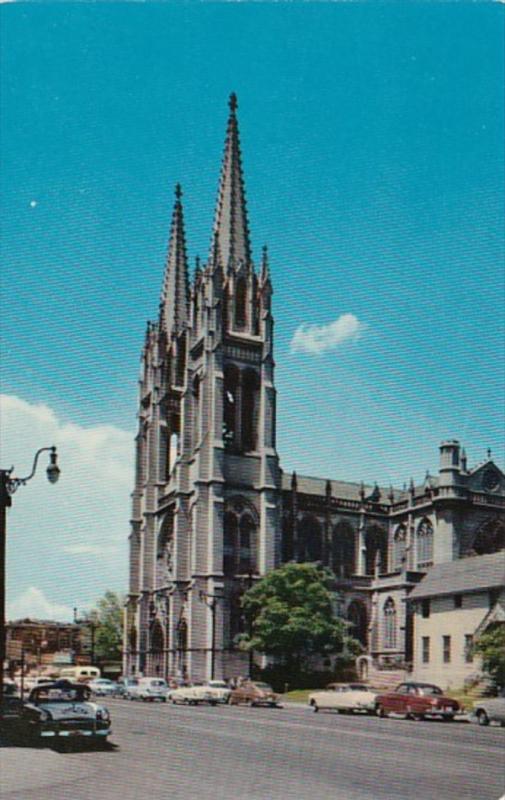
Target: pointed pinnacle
{"type": "Point", "coordinates": [178, 191]}
{"type": "Point", "coordinates": [233, 102]}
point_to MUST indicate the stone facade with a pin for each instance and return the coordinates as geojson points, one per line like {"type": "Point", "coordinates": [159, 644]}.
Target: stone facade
{"type": "Point", "coordinates": [213, 511]}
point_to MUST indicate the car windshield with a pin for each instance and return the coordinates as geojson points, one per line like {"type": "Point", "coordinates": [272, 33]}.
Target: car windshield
{"type": "Point", "coordinates": [265, 686]}
{"type": "Point", "coordinates": [58, 694]}
{"type": "Point", "coordinates": [358, 687]}
{"type": "Point", "coordinates": [218, 684]}
{"type": "Point", "coordinates": [157, 683]}
{"type": "Point", "coordinates": [429, 690]}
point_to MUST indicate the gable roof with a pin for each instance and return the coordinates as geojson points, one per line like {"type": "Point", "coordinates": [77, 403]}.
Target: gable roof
{"type": "Point", "coordinates": [464, 575]}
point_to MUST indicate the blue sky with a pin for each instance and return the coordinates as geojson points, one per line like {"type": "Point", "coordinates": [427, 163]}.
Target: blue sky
{"type": "Point", "coordinates": [373, 148]}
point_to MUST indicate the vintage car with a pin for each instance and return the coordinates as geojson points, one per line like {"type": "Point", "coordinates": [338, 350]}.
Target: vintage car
{"type": "Point", "coordinates": [103, 687]}
{"type": "Point", "coordinates": [490, 709]}
{"type": "Point", "coordinates": [353, 697]}
{"type": "Point", "coordinates": [62, 710]}
{"type": "Point", "coordinates": [417, 701]}
{"type": "Point", "coordinates": [148, 689]}
{"type": "Point", "coordinates": [212, 692]}
{"type": "Point", "coordinates": [254, 693]}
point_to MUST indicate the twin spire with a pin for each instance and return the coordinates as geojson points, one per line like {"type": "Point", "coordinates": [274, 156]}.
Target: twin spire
{"type": "Point", "coordinates": [230, 240]}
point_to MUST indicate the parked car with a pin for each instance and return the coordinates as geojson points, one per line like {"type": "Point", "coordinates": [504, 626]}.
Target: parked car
{"type": "Point", "coordinates": [10, 709]}
{"type": "Point", "coordinates": [212, 692]}
{"type": "Point", "coordinates": [490, 709]}
{"type": "Point", "coordinates": [254, 693]}
{"type": "Point", "coordinates": [148, 689]}
{"type": "Point", "coordinates": [103, 687]}
{"type": "Point", "coordinates": [417, 701]}
{"type": "Point", "coordinates": [123, 684]}
{"type": "Point", "coordinates": [62, 710]}
{"type": "Point", "coordinates": [354, 697]}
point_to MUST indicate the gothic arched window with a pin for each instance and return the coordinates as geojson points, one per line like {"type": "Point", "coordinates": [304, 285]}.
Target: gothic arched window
{"type": "Point", "coordinates": [250, 385]}
{"type": "Point", "coordinates": [180, 360]}
{"type": "Point", "coordinates": [157, 638]}
{"type": "Point", "coordinates": [490, 538]}
{"type": "Point", "coordinates": [196, 409]}
{"type": "Point", "coordinates": [399, 545]}
{"type": "Point", "coordinates": [230, 413]}
{"type": "Point", "coordinates": [357, 616]}
{"type": "Point", "coordinates": [376, 549]}
{"type": "Point", "coordinates": [241, 303]}
{"type": "Point", "coordinates": [389, 623]}
{"type": "Point", "coordinates": [343, 550]}
{"type": "Point", "coordinates": [247, 544]}
{"type": "Point", "coordinates": [310, 540]}
{"type": "Point", "coordinates": [230, 531]}
{"type": "Point", "coordinates": [133, 639]}
{"type": "Point", "coordinates": [424, 541]}
{"type": "Point", "coordinates": [287, 538]}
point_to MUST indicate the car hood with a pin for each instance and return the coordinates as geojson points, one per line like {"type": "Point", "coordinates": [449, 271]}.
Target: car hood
{"type": "Point", "coordinates": [70, 710]}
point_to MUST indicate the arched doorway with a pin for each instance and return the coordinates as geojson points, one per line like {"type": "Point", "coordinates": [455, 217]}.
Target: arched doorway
{"type": "Point", "coordinates": [157, 648]}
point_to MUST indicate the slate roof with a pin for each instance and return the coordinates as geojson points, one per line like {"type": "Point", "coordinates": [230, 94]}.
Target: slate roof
{"type": "Point", "coordinates": [344, 490]}
{"type": "Point", "coordinates": [464, 575]}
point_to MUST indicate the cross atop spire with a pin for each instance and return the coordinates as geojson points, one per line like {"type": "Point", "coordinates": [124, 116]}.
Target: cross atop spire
{"type": "Point", "coordinates": [230, 225]}
{"type": "Point", "coordinates": [174, 305]}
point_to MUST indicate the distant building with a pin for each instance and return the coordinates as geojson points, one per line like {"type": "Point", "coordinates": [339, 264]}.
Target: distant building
{"type": "Point", "coordinates": [452, 606]}
{"type": "Point", "coordinates": [212, 508]}
{"type": "Point", "coordinates": [43, 642]}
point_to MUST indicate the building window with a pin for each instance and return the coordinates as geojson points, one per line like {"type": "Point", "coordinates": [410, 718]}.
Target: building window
{"type": "Point", "coordinates": [231, 386]}
{"type": "Point", "coordinates": [446, 648]}
{"type": "Point", "coordinates": [310, 540]}
{"type": "Point", "coordinates": [426, 649]}
{"type": "Point", "coordinates": [425, 609]}
{"type": "Point", "coordinates": [399, 544]}
{"type": "Point", "coordinates": [468, 648]}
{"type": "Point", "coordinates": [490, 538]}
{"type": "Point", "coordinates": [247, 548]}
{"type": "Point", "coordinates": [458, 601]}
{"type": "Point", "coordinates": [424, 544]}
{"type": "Point", "coordinates": [343, 550]}
{"type": "Point", "coordinates": [229, 543]}
{"type": "Point", "coordinates": [376, 550]}
{"type": "Point", "coordinates": [241, 304]}
{"type": "Point", "coordinates": [250, 386]}
{"type": "Point", "coordinates": [389, 623]}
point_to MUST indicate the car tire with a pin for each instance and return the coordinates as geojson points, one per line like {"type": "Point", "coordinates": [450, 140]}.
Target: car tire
{"type": "Point", "coordinates": [380, 711]}
{"type": "Point", "coordinates": [482, 718]}
{"type": "Point", "coordinates": [315, 707]}
{"type": "Point", "coordinates": [251, 704]}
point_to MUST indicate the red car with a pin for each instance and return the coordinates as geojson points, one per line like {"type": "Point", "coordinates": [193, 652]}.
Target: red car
{"type": "Point", "coordinates": [417, 701]}
{"type": "Point", "coordinates": [254, 693]}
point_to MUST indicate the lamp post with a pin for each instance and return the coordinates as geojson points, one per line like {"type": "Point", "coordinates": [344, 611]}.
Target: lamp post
{"type": "Point", "coordinates": [8, 485]}
{"type": "Point", "coordinates": [211, 601]}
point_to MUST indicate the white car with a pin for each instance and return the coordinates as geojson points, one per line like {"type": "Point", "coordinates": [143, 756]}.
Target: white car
{"type": "Point", "coordinates": [490, 709]}
{"type": "Point", "coordinates": [352, 697]}
{"type": "Point", "coordinates": [103, 687]}
{"type": "Point", "coordinates": [148, 689]}
{"type": "Point", "coordinates": [213, 692]}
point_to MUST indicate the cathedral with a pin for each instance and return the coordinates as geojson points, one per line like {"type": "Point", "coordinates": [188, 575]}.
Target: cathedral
{"type": "Point", "coordinates": [212, 509]}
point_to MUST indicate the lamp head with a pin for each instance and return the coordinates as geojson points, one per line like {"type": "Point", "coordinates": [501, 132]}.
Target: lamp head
{"type": "Point", "coordinates": [53, 470]}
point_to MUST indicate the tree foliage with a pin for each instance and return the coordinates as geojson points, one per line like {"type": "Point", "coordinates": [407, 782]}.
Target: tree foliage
{"type": "Point", "coordinates": [491, 648]}
{"type": "Point", "coordinates": [108, 617]}
{"type": "Point", "coordinates": [290, 615]}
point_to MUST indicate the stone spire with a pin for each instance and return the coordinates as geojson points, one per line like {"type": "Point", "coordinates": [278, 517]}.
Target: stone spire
{"type": "Point", "coordinates": [174, 305]}
{"type": "Point", "coordinates": [230, 225]}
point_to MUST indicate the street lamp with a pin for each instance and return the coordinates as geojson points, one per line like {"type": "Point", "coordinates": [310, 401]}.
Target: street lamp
{"type": "Point", "coordinates": [8, 485]}
{"type": "Point", "coordinates": [211, 601]}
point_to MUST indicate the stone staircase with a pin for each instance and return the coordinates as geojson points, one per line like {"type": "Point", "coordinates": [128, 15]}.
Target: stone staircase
{"type": "Point", "coordinates": [385, 680]}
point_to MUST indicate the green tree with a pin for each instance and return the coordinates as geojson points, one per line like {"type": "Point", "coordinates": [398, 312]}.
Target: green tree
{"type": "Point", "coordinates": [290, 616]}
{"type": "Point", "coordinates": [491, 648]}
{"type": "Point", "coordinates": [108, 618]}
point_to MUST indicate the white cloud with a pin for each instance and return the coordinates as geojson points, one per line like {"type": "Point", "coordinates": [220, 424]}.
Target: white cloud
{"type": "Point", "coordinates": [33, 603]}
{"type": "Point", "coordinates": [70, 539]}
{"type": "Point", "coordinates": [316, 339]}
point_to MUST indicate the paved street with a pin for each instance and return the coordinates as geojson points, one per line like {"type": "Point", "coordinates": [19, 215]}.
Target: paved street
{"type": "Point", "coordinates": [165, 751]}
